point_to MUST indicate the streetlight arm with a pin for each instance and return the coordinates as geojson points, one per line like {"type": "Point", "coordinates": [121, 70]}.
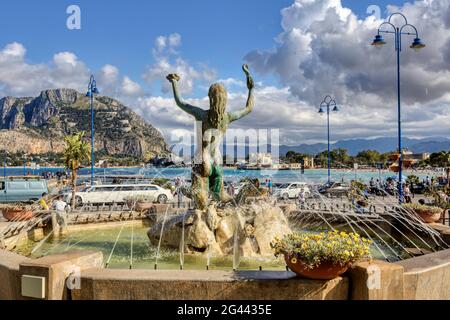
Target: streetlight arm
{"type": "Point", "coordinates": [398, 14]}
{"type": "Point", "coordinates": [327, 100]}
{"type": "Point", "coordinates": [416, 33]}
{"type": "Point", "coordinates": [385, 31]}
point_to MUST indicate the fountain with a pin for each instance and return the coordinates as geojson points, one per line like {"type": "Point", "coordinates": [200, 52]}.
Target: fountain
{"type": "Point", "coordinates": [221, 232]}
{"type": "Point", "coordinates": [217, 226]}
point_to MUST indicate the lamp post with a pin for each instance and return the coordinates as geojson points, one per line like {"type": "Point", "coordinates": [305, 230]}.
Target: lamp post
{"type": "Point", "coordinates": [327, 103]}
{"type": "Point", "coordinates": [92, 90]}
{"type": "Point", "coordinates": [398, 31]}
{"type": "Point", "coordinates": [4, 167]}
{"type": "Point", "coordinates": [24, 164]}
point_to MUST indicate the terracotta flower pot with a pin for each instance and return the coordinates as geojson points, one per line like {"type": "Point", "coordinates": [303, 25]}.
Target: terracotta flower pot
{"type": "Point", "coordinates": [18, 214]}
{"type": "Point", "coordinates": [428, 216]}
{"type": "Point", "coordinates": [325, 271]}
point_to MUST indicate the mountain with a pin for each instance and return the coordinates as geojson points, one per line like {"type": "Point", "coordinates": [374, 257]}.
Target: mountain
{"type": "Point", "coordinates": [354, 146]}
{"type": "Point", "coordinates": [38, 125]}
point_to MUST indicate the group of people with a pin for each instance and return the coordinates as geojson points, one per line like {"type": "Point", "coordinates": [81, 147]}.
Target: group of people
{"type": "Point", "coordinates": [58, 204]}
{"type": "Point", "coordinates": [59, 175]}
{"type": "Point", "coordinates": [269, 185]}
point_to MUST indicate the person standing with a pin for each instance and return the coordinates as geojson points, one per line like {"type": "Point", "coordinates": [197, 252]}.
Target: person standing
{"type": "Point", "coordinates": [179, 191]}
{"type": "Point", "coordinates": [43, 203]}
{"type": "Point", "coordinates": [301, 198]}
{"type": "Point", "coordinates": [270, 185]}
{"type": "Point", "coordinates": [407, 193]}
{"type": "Point", "coordinates": [230, 190]}
{"type": "Point", "coordinates": [59, 216]}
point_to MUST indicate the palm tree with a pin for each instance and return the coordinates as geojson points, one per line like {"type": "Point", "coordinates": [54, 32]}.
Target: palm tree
{"type": "Point", "coordinates": [76, 152]}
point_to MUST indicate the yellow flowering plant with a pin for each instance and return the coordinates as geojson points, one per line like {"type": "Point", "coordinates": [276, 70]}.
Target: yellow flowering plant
{"type": "Point", "coordinates": [338, 248]}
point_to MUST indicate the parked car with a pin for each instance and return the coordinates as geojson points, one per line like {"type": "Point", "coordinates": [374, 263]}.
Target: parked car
{"type": "Point", "coordinates": [335, 189]}
{"type": "Point", "coordinates": [292, 190]}
{"type": "Point", "coordinates": [106, 194]}
{"type": "Point", "coordinates": [22, 189]}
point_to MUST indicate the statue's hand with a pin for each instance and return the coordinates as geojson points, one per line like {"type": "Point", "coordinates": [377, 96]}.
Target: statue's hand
{"type": "Point", "coordinates": [250, 82]}
{"type": "Point", "coordinates": [173, 77]}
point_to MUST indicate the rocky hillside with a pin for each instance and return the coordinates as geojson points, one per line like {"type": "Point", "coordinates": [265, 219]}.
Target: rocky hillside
{"type": "Point", "coordinates": [38, 125]}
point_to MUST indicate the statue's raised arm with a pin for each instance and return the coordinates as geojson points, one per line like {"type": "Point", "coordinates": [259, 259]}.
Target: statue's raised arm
{"type": "Point", "coordinates": [198, 113]}
{"type": "Point", "coordinates": [233, 116]}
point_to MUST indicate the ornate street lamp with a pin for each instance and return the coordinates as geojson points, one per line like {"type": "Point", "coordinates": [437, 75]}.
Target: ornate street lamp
{"type": "Point", "coordinates": [398, 31]}
{"type": "Point", "coordinates": [92, 91]}
{"type": "Point", "coordinates": [325, 106]}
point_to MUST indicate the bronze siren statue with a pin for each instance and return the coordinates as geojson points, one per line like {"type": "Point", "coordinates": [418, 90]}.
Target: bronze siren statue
{"type": "Point", "coordinates": [207, 174]}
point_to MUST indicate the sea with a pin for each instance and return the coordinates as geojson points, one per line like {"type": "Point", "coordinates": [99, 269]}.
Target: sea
{"type": "Point", "coordinates": [314, 176]}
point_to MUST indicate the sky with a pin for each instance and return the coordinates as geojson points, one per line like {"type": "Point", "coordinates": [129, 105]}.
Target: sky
{"type": "Point", "coordinates": [298, 51]}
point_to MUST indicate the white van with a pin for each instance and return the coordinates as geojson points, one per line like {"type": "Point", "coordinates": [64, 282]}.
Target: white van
{"type": "Point", "coordinates": [292, 190]}
{"type": "Point", "coordinates": [22, 189]}
{"type": "Point", "coordinates": [105, 194]}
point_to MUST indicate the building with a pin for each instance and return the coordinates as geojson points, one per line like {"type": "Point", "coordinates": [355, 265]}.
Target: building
{"type": "Point", "coordinates": [308, 162]}
{"type": "Point", "coordinates": [421, 156]}
{"type": "Point", "coordinates": [260, 160]}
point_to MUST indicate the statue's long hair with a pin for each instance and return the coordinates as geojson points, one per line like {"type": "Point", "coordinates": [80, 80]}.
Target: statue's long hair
{"type": "Point", "coordinates": [218, 98]}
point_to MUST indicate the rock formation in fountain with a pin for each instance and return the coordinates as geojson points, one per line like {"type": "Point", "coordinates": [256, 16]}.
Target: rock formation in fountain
{"type": "Point", "coordinates": [214, 230]}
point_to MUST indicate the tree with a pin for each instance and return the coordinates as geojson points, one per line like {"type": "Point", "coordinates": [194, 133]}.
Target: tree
{"type": "Point", "coordinates": [337, 156]}
{"type": "Point", "coordinates": [369, 157]}
{"type": "Point", "coordinates": [341, 157]}
{"type": "Point", "coordinates": [76, 152]}
{"type": "Point", "coordinates": [440, 159]}
{"type": "Point", "coordinates": [295, 157]}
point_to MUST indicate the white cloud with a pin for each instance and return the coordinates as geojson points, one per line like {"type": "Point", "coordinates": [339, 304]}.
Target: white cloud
{"type": "Point", "coordinates": [325, 49]}
{"type": "Point", "coordinates": [129, 87]}
{"type": "Point", "coordinates": [108, 75]}
{"type": "Point", "coordinates": [18, 77]}
{"type": "Point", "coordinates": [14, 50]}
{"type": "Point", "coordinates": [174, 40]}
{"type": "Point", "coordinates": [168, 60]}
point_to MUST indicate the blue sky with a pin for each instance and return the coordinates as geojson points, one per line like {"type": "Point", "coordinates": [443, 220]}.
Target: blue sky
{"type": "Point", "coordinates": [122, 33]}
{"type": "Point", "coordinates": [298, 50]}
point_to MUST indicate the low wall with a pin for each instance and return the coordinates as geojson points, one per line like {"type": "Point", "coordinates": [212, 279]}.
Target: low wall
{"type": "Point", "coordinates": [427, 277]}
{"type": "Point", "coordinates": [9, 275]}
{"type": "Point", "coordinates": [205, 285]}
